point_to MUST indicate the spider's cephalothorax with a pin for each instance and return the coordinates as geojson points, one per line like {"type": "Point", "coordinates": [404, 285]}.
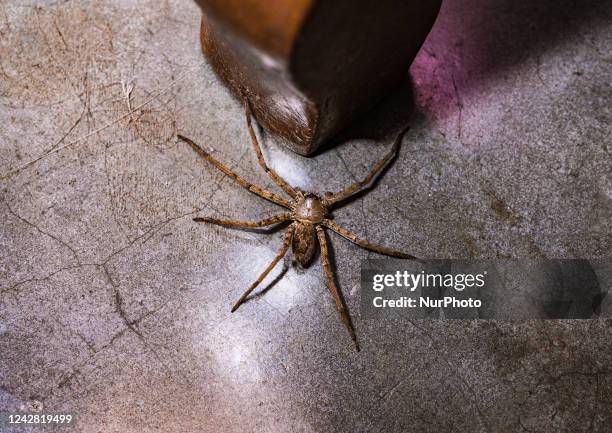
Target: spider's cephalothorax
{"type": "Point", "coordinates": [309, 208]}
{"type": "Point", "coordinates": [308, 215]}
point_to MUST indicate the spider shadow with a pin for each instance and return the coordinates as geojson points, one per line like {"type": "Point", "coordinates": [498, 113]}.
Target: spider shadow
{"type": "Point", "coordinates": [270, 230]}
{"type": "Point", "coordinates": [270, 285]}
{"type": "Point", "coordinates": [258, 230]}
{"type": "Point", "coordinates": [356, 196]}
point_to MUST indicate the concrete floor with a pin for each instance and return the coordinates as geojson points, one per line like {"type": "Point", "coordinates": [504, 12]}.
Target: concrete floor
{"type": "Point", "coordinates": [115, 305]}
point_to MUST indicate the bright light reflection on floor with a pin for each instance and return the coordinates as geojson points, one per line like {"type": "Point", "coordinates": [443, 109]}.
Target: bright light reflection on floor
{"type": "Point", "coordinates": [288, 167]}
{"type": "Point", "coordinates": [234, 341]}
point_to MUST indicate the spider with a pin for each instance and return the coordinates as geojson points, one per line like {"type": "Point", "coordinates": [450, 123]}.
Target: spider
{"type": "Point", "coordinates": [309, 214]}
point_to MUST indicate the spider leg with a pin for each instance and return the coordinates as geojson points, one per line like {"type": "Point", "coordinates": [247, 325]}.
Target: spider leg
{"type": "Point", "coordinates": [333, 288]}
{"type": "Point", "coordinates": [281, 253]}
{"type": "Point", "coordinates": [357, 186]}
{"type": "Point", "coordinates": [365, 244]}
{"type": "Point", "coordinates": [262, 162]}
{"type": "Point", "coordinates": [246, 224]}
{"type": "Point", "coordinates": [252, 188]}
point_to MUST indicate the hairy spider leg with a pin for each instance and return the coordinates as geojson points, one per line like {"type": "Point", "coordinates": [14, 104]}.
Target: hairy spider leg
{"type": "Point", "coordinates": [246, 224]}
{"type": "Point", "coordinates": [249, 186]}
{"type": "Point", "coordinates": [281, 253]}
{"type": "Point", "coordinates": [365, 244]}
{"type": "Point", "coordinates": [333, 288]}
{"type": "Point", "coordinates": [262, 162]}
{"type": "Point", "coordinates": [358, 186]}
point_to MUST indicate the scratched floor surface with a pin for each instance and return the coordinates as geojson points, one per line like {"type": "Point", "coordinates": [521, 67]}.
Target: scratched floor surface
{"type": "Point", "coordinates": [115, 305]}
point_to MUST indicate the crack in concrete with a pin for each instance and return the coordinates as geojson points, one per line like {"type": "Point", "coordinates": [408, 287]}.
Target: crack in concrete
{"type": "Point", "coordinates": [46, 277]}
{"type": "Point", "coordinates": [150, 233]}
{"type": "Point", "coordinates": [111, 197]}
{"type": "Point", "coordinates": [33, 161]}
{"type": "Point", "coordinates": [31, 224]}
{"type": "Point", "coordinates": [130, 326]}
{"type": "Point", "coordinates": [364, 219]}
{"type": "Point", "coordinates": [434, 343]}
{"type": "Point", "coordinates": [460, 107]}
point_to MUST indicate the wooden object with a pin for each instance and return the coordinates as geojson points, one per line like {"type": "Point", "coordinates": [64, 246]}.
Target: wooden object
{"type": "Point", "coordinates": [309, 67]}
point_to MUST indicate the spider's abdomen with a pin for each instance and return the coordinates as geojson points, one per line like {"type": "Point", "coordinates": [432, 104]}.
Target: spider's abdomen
{"type": "Point", "coordinates": [304, 242]}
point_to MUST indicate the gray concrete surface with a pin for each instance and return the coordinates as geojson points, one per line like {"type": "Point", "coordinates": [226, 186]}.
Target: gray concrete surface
{"type": "Point", "coordinates": [115, 305]}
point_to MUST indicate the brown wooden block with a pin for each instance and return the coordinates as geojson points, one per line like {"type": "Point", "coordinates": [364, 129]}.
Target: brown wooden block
{"type": "Point", "coordinates": [309, 67]}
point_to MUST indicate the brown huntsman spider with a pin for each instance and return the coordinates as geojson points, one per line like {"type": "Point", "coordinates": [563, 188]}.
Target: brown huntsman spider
{"type": "Point", "coordinates": [309, 214]}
